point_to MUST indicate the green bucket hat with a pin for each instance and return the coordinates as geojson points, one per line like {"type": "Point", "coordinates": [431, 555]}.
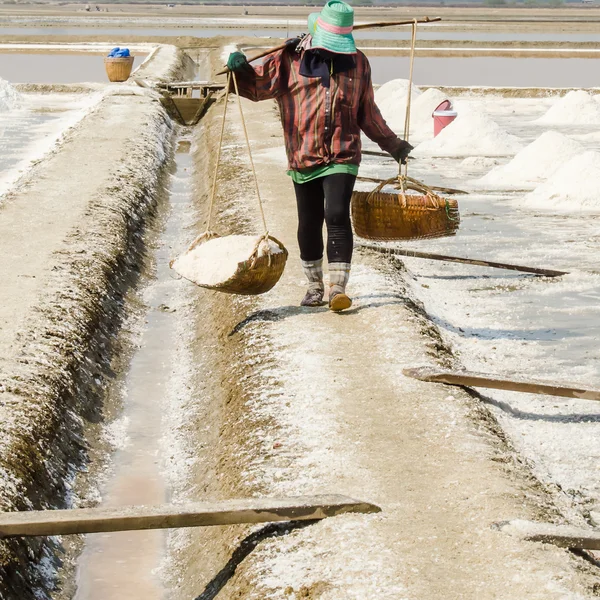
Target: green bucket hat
{"type": "Point", "coordinates": [333, 28]}
{"type": "Point", "coordinates": [312, 23]}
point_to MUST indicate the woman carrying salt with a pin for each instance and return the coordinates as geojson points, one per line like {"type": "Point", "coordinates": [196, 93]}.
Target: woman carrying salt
{"type": "Point", "coordinates": [323, 86]}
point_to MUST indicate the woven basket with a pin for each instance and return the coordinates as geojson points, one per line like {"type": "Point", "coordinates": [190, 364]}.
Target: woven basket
{"type": "Point", "coordinates": [387, 216]}
{"type": "Point", "coordinates": [254, 276]}
{"type": "Point", "coordinates": [118, 69]}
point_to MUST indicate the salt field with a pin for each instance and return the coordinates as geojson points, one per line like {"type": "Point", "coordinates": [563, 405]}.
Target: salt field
{"type": "Point", "coordinates": [519, 325]}
{"type": "Point", "coordinates": [163, 437]}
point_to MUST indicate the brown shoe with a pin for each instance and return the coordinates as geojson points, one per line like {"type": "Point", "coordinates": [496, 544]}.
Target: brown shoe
{"type": "Point", "coordinates": [339, 301]}
{"type": "Point", "coordinates": [313, 298]}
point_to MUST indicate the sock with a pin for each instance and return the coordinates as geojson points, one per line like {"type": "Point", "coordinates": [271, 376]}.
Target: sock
{"type": "Point", "coordinates": [313, 269]}
{"type": "Point", "coordinates": [339, 273]}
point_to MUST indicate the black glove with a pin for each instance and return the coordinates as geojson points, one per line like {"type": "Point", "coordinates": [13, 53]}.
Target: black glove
{"type": "Point", "coordinates": [236, 61]}
{"type": "Point", "coordinates": [292, 43]}
{"type": "Point", "coordinates": [402, 151]}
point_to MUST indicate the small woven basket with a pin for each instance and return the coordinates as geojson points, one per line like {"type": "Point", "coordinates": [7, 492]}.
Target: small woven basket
{"type": "Point", "coordinates": [118, 69]}
{"type": "Point", "coordinates": [254, 276]}
{"type": "Point", "coordinates": [387, 216]}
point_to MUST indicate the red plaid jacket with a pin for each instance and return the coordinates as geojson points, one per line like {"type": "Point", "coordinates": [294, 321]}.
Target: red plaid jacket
{"type": "Point", "coordinates": [320, 125]}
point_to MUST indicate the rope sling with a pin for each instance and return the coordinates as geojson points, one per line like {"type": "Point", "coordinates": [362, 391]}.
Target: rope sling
{"type": "Point", "coordinates": [264, 268]}
{"type": "Point", "coordinates": [378, 215]}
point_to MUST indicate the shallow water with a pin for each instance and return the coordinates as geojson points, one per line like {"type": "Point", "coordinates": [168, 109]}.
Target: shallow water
{"type": "Point", "coordinates": [26, 133]}
{"type": "Point", "coordinates": [489, 71]}
{"type": "Point", "coordinates": [381, 34]}
{"type": "Point", "coordinates": [124, 564]}
{"type": "Point", "coordinates": [23, 67]}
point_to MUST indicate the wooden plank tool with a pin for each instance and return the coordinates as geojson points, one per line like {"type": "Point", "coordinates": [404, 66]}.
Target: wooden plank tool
{"type": "Point", "coordinates": [563, 536]}
{"type": "Point", "coordinates": [468, 379]}
{"type": "Point", "coordinates": [167, 516]}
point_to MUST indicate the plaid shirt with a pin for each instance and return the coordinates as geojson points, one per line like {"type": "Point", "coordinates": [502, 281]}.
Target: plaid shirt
{"type": "Point", "coordinates": [321, 125]}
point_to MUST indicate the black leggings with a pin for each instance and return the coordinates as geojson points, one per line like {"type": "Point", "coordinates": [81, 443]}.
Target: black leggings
{"type": "Point", "coordinates": [326, 199]}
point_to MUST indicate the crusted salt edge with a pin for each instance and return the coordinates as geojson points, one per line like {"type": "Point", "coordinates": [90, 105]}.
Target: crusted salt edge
{"type": "Point", "coordinates": [578, 107]}
{"type": "Point", "coordinates": [533, 164]}
{"type": "Point", "coordinates": [217, 260]}
{"type": "Point", "coordinates": [472, 133]}
{"type": "Point", "coordinates": [574, 186]}
{"type": "Point", "coordinates": [9, 97]}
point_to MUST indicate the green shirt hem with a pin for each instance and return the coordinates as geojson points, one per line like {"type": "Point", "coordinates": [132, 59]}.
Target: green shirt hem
{"type": "Point", "coordinates": [306, 175]}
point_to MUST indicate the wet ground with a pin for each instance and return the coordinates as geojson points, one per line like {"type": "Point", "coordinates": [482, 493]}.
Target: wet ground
{"type": "Point", "coordinates": [510, 324]}
{"type": "Point", "coordinates": [124, 564]}
{"type": "Point", "coordinates": [27, 132]}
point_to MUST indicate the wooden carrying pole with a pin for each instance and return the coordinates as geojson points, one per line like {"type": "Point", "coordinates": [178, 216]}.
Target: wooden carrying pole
{"type": "Point", "coordinates": [166, 516]}
{"type": "Point", "coordinates": [466, 261]}
{"type": "Point", "coordinates": [363, 26]}
{"type": "Point", "coordinates": [498, 383]}
{"type": "Point", "coordinates": [563, 536]}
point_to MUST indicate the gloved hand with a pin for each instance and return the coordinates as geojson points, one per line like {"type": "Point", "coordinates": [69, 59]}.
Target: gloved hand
{"type": "Point", "coordinates": [293, 42]}
{"type": "Point", "coordinates": [237, 61]}
{"type": "Point", "coordinates": [402, 151]}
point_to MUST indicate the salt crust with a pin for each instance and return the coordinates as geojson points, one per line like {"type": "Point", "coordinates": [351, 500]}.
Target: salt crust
{"type": "Point", "coordinates": [574, 186]}
{"type": "Point", "coordinates": [217, 260]}
{"type": "Point", "coordinates": [534, 164]}
{"type": "Point", "coordinates": [472, 133]}
{"type": "Point", "coordinates": [578, 107]}
{"type": "Point", "coordinates": [9, 97]}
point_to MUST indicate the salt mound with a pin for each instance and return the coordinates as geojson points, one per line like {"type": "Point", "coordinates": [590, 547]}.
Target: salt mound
{"type": "Point", "coordinates": [392, 104]}
{"type": "Point", "coordinates": [391, 98]}
{"type": "Point", "coordinates": [576, 108]}
{"type": "Point", "coordinates": [9, 97]}
{"type": "Point", "coordinates": [575, 186]}
{"type": "Point", "coordinates": [217, 260]}
{"type": "Point", "coordinates": [534, 164]}
{"type": "Point", "coordinates": [472, 133]}
{"type": "Point", "coordinates": [421, 120]}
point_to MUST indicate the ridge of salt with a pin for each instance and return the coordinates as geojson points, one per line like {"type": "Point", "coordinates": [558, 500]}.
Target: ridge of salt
{"type": "Point", "coordinates": [391, 96]}
{"type": "Point", "coordinates": [421, 119]}
{"type": "Point", "coordinates": [9, 97]}
{"type": "Point", "coordinates": [217, 260]}
{"type": "Point", "coordinates": [472, 133]}
{"type": "Point", "coordinates": [574, 186]}
{"type": "Point", "coordinates": [578, 107]}
{"type": "Point", "coordinates": [534, 163]}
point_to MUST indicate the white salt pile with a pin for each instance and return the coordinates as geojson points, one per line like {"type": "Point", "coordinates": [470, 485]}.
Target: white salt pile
{"type": "Point", "coordinates": [391, 98]}
{"type": "Point", "coordinates": [575, 186]}
{"type": "Point", "coordinates": [217, 260]}
{"type": "Point", "coordinates": [472, 133]}
{"type": "Point", "coordinates": [534, 164]}
{"type": "Point", "coordinates": [576, 108]}
{"type": "Point", "coordinates": [9, 97]}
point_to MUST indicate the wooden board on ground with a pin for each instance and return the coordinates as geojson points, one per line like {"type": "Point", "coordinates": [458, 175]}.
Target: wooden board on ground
{"type": "Point", "coordinates": [166, 516]}
{"type": "Point", "coordinates": [564, 536]}
{"type": "Point", "coordinates": [483, 380]}
{"type": "Point", "coordinates": [459, 259]}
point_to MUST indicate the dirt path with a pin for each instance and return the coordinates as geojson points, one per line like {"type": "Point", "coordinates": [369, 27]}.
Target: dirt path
{"type": "Point", "coordinates": [316, 403]}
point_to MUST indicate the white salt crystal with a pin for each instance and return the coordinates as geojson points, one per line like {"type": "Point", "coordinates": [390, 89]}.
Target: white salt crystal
{"type": "Point", "coordinates": [9, 97]}
{"type": "Point", "coordinates": [391, 98]}
{"type": "Point", "coordinates": [578, 107]}
{"type": "Point", "coordinates": [217, 260]}
{"type": "Point", "coordinates": [534, 164]}
{"type": "Point", "coordinates": [472, 133]}
{"type": "Point", "coordinates": [575, 185]}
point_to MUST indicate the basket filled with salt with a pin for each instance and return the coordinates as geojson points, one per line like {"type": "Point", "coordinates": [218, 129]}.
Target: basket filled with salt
{"type": "Point", "coordinates": [234, 264]}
